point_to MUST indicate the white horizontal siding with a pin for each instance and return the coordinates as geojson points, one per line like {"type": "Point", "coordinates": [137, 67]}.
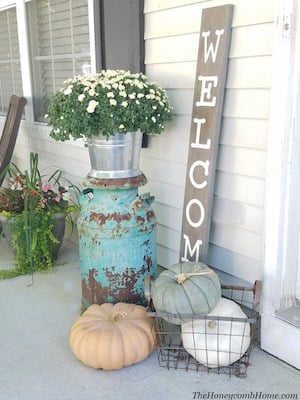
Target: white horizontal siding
{"type": "Point", "coordinates": [171, 46]}
{"type": "Point", "coordinates": [172, 37]}
{"type": "Point", "coordinates": [249, 73]}
{"type": "Point", "coordinates": [245, 132]}
{"type": "Point", "coordinates": [240, 188]}
{"type": "Point", "coordinates": [72, 159]}
{"type": "Point", "coordinates": [247, 103]}
{"type": "Point", "coordinates": [242, 161]}
{"type": "Point", "coordinates": [235, 213]}
{"type": "Point", "coordinates": [234, 263]}
{"type": "Point", "coordinates": [247, 12]}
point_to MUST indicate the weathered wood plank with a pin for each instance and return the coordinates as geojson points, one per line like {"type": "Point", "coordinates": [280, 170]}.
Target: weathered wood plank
{"type": "Point", "coordinates": [205, 129]}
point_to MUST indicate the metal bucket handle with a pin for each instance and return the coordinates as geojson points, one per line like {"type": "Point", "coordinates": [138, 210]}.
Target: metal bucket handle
{"type": "Point", "coordinates": [86, 196]}
{"type": "Point", "coordinates": [143, 198]}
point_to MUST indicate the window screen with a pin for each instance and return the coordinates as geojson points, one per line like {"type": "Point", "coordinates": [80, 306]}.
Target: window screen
{"type": "Point", "coordinates": [10, 69]}
{"type": "Point", "coordinates": [59, 40]}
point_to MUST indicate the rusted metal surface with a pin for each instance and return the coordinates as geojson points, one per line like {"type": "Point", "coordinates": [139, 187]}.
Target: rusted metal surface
{"type": "Point", "coordinates": [117, 183]}
{"type": "Point", "coordinates": [93, 291]}
{"type": "Point", "coordinates": [117, 238]}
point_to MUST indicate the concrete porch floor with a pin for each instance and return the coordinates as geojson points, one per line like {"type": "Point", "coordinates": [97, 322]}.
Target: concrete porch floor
{"type": "Point", "coordinates": [36, 362]}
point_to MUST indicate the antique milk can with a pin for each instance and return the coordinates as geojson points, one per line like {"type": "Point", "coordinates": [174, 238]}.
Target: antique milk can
{"type": "Point", "coordinates": [117, 237]}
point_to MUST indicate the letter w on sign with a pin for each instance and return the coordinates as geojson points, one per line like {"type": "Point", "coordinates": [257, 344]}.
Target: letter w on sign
{"type": "Point", "coordinates": [205, 131]}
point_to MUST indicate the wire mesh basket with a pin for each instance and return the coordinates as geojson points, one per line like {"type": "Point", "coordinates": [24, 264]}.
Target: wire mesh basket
{"type": "Point", "coordinates": [212, 343]}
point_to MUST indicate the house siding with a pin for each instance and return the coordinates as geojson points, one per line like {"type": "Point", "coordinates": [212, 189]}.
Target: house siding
{"type": "Point", "coordinates": [171, 45]}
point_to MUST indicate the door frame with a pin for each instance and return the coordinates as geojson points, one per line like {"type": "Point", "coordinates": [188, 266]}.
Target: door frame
{"type": "Point", "coordinates": [282, 188]}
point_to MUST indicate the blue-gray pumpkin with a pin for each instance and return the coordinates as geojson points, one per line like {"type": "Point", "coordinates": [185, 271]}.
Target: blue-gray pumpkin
{"type": "Point", "coordinates": [186, 288]}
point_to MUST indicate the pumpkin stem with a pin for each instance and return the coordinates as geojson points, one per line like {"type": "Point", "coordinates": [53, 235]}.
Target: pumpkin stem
{"type": "Point", "coordinates": [183, 276]}
{"type": "Point", "coordinates": [118, 315]}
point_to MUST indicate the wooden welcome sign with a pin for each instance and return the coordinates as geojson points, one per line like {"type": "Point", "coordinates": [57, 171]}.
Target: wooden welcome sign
{"type": "Point", "coordinates": [205, 129]}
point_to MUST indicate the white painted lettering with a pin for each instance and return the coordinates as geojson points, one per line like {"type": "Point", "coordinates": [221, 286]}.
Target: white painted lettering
{"type": "Point", "coordinates": [205, 166]}
{"type": "Point", "coordinates": [210, 49]}
{"type": "Point", "coordinates": [207, 83]}
{"type": "Point", "coordinates": [197, 143]}
{"type": "Point", "coordinates": [188, 249]}
{"type": "Point", "coordinates": [197, 203]}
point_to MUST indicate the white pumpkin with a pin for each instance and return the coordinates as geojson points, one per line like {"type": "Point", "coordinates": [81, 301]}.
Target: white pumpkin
{"type": "Point", "coordinates": [217, 343]}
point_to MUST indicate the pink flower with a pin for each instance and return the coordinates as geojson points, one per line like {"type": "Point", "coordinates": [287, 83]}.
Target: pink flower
{"type": "Point", "coordinates": [46, 186]}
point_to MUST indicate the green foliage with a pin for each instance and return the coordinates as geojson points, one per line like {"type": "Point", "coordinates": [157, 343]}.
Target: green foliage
{"type": "Point", "coordinates": [32, 238]}
{"type": "Point", "coordinates": [106, 103]}
{"type": "Point", "coordinates": [30, 217]}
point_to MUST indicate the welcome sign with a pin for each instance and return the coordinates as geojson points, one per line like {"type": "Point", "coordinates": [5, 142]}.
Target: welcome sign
{"type": "Point", "coordinates": [205, 129]}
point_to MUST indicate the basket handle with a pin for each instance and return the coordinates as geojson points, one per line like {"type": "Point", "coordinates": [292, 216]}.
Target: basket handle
{"type": "Point", "coordinates": [257, 293]}
{"type": "Point", "coordinates": [147, 287]}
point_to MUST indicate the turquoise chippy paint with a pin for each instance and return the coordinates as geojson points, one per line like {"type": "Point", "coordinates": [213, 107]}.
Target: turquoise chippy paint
{"type": "Point", "coordinates": [117, 239]}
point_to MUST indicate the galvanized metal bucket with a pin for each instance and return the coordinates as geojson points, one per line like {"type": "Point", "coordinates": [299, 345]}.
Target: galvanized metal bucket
{"type": "Point", "coordinates": [116, 156]}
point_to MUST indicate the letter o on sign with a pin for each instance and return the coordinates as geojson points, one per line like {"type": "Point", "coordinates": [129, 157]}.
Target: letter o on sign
{"type": "Point", "coordinates": [197, 203]}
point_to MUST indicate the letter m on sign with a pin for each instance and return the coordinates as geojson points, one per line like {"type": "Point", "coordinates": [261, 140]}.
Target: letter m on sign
{"type": "Point", "coordinates": [205, 131]}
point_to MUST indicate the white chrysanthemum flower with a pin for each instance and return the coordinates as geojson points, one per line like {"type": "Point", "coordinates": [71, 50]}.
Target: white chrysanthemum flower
{"type": "Point", "coordinates": [150, 96]}
{"type": "Point", "coordinates": [140, 95]}
{"type": "Point", "coordinates": [92, 92]}
{"type": "Point", "coordinates": [124, 104]}
{"type": "Point", "coordinates": [132, 95]}
{"type": "Point", "coordinates": [113, 102]}
{"type": "Point", "coordinates": [121, 126]}
{"type": "Point", "coordinates": [92, 105]}
{"type": "Point", "coordinates": [110, 94]}
{"type": "Point", "coordinates": [123, 93]}
{"type": "Point", "coordinates": [153, 119]}
{"type": "Point", "coordinates": [68, 90]}
{"type": "Point", "coordinates": [81, 97]}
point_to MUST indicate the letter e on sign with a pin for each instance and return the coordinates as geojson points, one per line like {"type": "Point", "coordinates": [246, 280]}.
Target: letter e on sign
{"type": "Point", "coordinates": [205, 131]}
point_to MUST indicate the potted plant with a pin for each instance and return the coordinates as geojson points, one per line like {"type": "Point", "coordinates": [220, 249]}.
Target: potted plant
{"type": "Point", "coordinates": [102, 108]}
{"type": "Point", "coordinates": [33, 212]}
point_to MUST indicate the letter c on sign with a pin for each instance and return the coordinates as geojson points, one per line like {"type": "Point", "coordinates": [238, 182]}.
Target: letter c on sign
{"type": "Point", "coordinates": [202, 213]}
{"type": "Point", "coordinates": [205, 166]}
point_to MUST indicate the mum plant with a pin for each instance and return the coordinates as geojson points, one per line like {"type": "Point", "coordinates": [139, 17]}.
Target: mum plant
{"type": "Point", "coordinates": [106, 103]}
{"type": "Point", "coordinates": [29, 209]}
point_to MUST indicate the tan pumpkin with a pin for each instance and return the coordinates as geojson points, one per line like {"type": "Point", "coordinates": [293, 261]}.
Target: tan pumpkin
{"type": "Point", "coordinates": [111, 336]}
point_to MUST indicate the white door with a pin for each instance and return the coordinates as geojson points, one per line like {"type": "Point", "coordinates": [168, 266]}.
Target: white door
{"type": "Point", "coordinates": [280, 327]}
